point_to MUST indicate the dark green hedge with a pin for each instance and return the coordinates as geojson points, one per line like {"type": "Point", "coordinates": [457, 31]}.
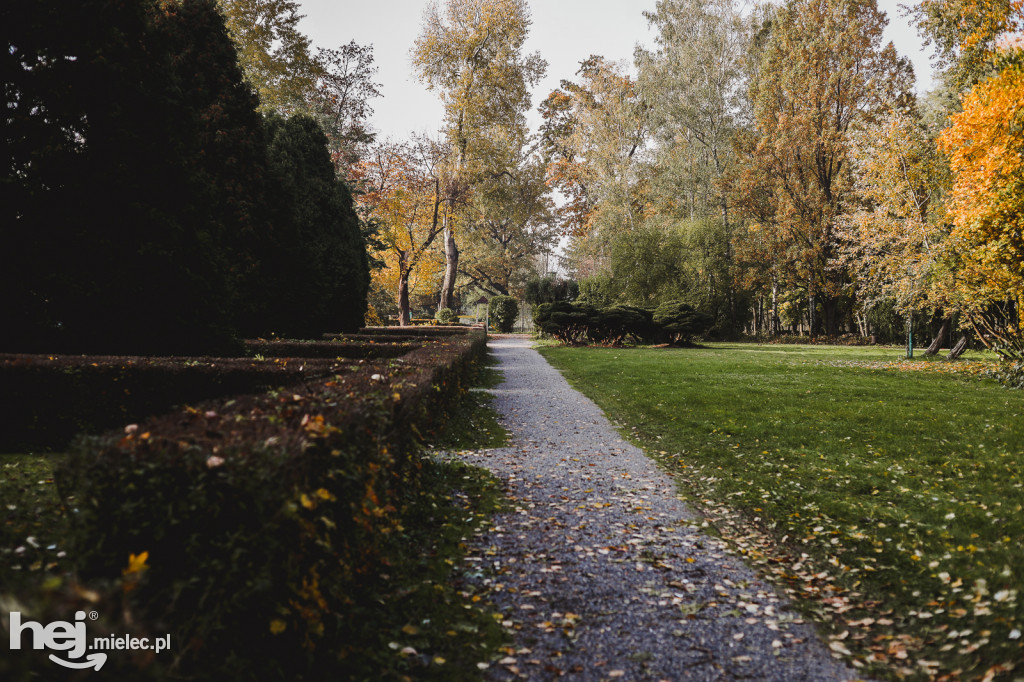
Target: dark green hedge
{"type": "Point", "coordinates": [364, 348]}
{"type": "Point", "coordinates": [262, 515]}
{"type": "Point", "coordinates": [575, 324]}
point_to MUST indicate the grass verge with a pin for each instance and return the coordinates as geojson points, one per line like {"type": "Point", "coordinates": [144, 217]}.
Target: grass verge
{"type": "Point", "coordinates": [33, 523]}
{"type": "Point", "coordinates": [884, 496]}
{"type": "Point", "coordinates": [428, 622]}
{"type": "Point", "coordinates": [475, 424]}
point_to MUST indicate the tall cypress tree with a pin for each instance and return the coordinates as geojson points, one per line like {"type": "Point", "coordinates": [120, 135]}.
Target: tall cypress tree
{"type": "Point", "coordinates": [134, 171]}
{"type": "Point", "coordinates": [317, 275]}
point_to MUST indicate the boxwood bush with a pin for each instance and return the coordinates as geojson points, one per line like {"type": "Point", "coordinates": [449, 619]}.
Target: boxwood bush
{"type": "Point", "coordinates": [503, 311]}
{"type": "Point", "coordinates": [446, 316]}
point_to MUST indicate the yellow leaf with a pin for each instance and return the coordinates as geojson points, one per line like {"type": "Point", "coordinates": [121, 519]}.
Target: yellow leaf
{"type": "Point", "coordinates": [306, 502]}
{"type": "Point", "coordinates": [277, 626]}
{"type": "Point", "coordinates": [136, 563]}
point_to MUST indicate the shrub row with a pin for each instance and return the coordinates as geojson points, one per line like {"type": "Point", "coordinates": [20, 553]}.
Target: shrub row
{"type": "Point", "coordinates": [576, 324]}
{"type": "Point", "coordinates": [47, 399]}
{"type": "Point", "coordinates": [339, 347]}
{"type": "Point", "coordinates": [261, 516]}
{"type": "Point", "coordinates": [416, 331]}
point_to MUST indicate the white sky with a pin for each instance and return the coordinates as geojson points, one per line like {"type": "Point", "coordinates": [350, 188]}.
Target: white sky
{"type": "Point", "coordinates": [564, 31]}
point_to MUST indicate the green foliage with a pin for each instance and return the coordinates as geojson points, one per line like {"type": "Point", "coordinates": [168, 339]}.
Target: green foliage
{"type": "Point", "coordinates": [681, 321]}
{"type": "Point", "coordinates": [550, 288]}
{"type": "Point", "coordinates": [574, 324]}
{"type": "Point", "coordinates": [146, 213]}
{"type": "Point", "coordinates": [568, 322]}
{"type": "Point", "coordinates": [273, 53]}
{"type": "Point", "coordinates": [597, 290]}
{"type": "Point", "coordinates": [1010, 374]}
{"type": "Point", "coordinates": [503, 311]}
{"type": "Point", "coordinates": [677, 260]}
{"type": "Point", "coordinates": [446, 316]}
{"type": "Point", "coordinates": [905, 492]}
{"type": "Point", "coordinates": [613, 324]}
{"type": "Point", "coordinates": [132, 181]}
{"type": "Point", "coordinates": [315, 273]}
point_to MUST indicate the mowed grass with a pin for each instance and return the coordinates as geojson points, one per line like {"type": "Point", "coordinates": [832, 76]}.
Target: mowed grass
{"type": "Point", "coordinates": [886, 496]}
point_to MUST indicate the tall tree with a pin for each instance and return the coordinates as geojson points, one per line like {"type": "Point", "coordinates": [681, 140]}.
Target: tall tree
{"type": "Point", "coordinates": [273, 53]}
{"type": "Point", "coordinates": [985, 144]}
{"type": "Point", "coordinates": [342, 102]}
{"type": "Point", "coordinates": [821, 72]}
{"type": "Point", "coordinates": [472, 53]}
{"type": "Point", "coordinates": [894, 237]}
{"type": "Point", "coordinates": [110, 249]}
{"type": "Point", "coordinates": [509, 224]}
{"type": "Point", "coordinates": [406, 195]}
{"type": "Point", "coordinates": [594, 135]}
{"type": "Point", "coordinates": [314, 274]}
{"type": "Point", "coordinates": [692, 85]}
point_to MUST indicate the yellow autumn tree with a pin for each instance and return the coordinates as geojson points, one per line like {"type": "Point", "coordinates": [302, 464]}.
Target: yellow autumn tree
{"type": "Point", "coordinates": [471, 52]}
{"type": "Point", "coordinates": [893, 242]}
{"type": "Point", "coordinates": [405, 197]}
{"type": "Point", "coordinates": [985, 145]}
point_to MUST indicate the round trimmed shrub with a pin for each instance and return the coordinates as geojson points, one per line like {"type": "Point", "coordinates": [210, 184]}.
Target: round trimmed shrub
{"type": "Point", "coordinates": [503, 311]}
{"type": "Point", "coordinates": [446, 316]}
{"type": "Point", "coordinates": [681, 321]}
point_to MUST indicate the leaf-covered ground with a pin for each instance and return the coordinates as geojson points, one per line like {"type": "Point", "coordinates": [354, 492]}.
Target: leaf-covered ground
{"type": "Point", "coordinates": [600, 571]}
{"type": "Point", "coordinates": [884, 496]}
{"type": "Point", "coordinates": [33, 525]}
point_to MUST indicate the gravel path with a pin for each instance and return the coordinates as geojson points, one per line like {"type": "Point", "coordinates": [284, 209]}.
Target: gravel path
{"type": "Point", "coordinates": [601, 571]}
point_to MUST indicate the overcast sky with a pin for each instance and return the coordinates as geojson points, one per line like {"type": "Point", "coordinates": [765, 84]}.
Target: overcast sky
{"type": "Point", "coordinates": [563, 31]}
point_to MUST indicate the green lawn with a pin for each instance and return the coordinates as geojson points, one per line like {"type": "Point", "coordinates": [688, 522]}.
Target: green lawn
{"type": "Point", "coordinates": [885, 495]}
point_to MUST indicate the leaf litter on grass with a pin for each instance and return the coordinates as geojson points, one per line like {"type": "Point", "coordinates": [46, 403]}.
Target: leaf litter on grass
{"type": "Point", "coordinates": [904, 548]}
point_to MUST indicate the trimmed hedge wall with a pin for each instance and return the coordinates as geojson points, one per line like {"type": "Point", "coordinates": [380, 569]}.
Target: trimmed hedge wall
{"type": "Point", "coordinates": [341, 347]}
{"type": "Point", "coordinates": [47, 399]}
{"type": "Point", "coordinates": [410, 330]}
{"type": "Point", "coordinates": [261, 515]}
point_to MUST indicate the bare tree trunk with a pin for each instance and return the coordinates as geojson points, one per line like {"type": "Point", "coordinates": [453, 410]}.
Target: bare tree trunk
{"type": "Point", "coordinates": [775, 308]}
{"type": "Point", "coordinates": [958, 349]}
{"type": "Point", "coordinates": [810, 315]}
{"type": "Point", "coordinates": [451, 268]}
{"type": "Point", "coordinates": [404, 316]}
{"type": "Point", "coordinates": [940, 337]}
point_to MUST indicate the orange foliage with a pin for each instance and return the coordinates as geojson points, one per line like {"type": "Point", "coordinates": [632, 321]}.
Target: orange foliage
{"type": "Point", "coordinates": [985, 144]}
